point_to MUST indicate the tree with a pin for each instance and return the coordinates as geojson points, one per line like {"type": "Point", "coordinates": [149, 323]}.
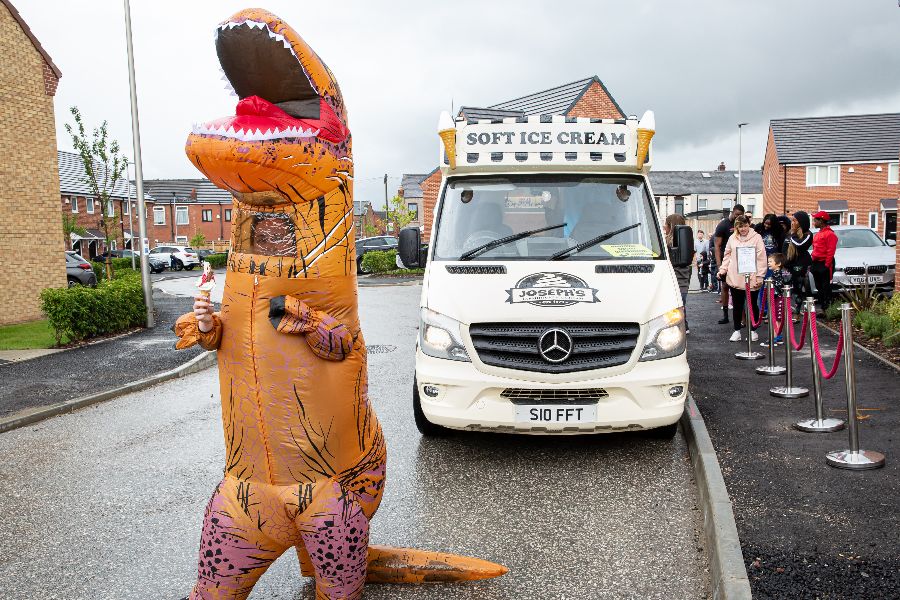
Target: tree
{"type": "Point", "coordinates": [70, 226]}
{"type": "Point", "coordinates": [103, 169]}
{"type": "Point", "coordinates": [398, 214]}
{"type": "Point", "coordinates": [198, 241]}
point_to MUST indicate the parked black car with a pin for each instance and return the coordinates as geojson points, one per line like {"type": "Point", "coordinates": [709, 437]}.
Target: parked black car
{"type": "Point", "coordinates": [79, 270]}
{"type": "Point", "coordinates": [380, 243]}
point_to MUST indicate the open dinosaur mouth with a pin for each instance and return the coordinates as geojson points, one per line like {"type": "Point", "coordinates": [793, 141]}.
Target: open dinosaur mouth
{"type": "Point", "coordinates": [277, 97]}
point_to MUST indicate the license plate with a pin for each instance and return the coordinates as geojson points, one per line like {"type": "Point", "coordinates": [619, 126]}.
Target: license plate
{"type": "Point", "coordinates": [556, 413]}
{"type": "Point", "coordinates": [860, 279]}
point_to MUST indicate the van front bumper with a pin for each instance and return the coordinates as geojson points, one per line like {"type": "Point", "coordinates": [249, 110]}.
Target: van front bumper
{"type": "Point", "coordinates": [462, 397]}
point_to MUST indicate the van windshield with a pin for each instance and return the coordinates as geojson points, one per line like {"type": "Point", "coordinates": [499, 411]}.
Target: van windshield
{"type": "Point", "coordinates": [571, 209]}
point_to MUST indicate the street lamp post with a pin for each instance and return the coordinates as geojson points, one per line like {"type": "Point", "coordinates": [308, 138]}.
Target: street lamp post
{"type": "Point", "coordinates": [130, 211]}
{"type": "Point", "coordinates": [740, 129]}
{"type": "Point", "coordinates": [138, 171]}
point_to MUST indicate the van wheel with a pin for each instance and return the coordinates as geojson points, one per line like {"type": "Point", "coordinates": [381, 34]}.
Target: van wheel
{"type": "Point", "coordinates": [666, 432]}
{"type": "Point", "coordinates": [425, 427]}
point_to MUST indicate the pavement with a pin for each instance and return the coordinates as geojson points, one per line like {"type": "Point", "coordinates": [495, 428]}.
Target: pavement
{"type": "Point", "coordinates": [107, 502]}
{"type": "Point", "coordinates": [807, 530]}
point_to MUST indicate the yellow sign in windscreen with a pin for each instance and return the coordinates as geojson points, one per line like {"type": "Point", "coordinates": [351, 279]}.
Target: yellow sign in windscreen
{"type": "Point", "coordinates": [629, 250]}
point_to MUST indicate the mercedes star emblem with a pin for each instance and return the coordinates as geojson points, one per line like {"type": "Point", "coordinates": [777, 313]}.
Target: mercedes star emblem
{"type": "Point", "coordinates": [555, 345]}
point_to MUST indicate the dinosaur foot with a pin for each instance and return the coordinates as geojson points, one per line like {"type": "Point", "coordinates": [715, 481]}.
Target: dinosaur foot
{"type": "Point", "coordinates": [409, 565]}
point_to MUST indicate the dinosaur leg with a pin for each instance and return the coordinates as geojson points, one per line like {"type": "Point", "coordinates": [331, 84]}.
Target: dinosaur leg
{"type": "Point", "coordinates": [234, 553]}
{"type": "Point", "coordinates": [335, 533]}
{"type": "Point", "coordinates": [306, 565]}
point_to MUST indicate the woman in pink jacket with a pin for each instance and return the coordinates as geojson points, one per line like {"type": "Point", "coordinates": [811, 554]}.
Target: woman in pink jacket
{"type": "Point", "coordinates": [743, 236]}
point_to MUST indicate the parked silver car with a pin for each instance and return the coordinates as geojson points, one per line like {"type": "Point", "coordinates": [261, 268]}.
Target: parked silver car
{"type": "Point", "coordinates": [861, 254]}
{"type": "Point", "coordinates": [79, 270]}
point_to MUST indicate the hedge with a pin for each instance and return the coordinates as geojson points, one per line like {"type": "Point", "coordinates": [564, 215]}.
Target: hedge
{"type": "Point", "coordinates": [217, 261]}
{"type": "Point", "coordinates": [379, 261]}
{"type": "Point", "coordinates": [121, 267]}
{"type": "Point", "coordinates": [81, 312]}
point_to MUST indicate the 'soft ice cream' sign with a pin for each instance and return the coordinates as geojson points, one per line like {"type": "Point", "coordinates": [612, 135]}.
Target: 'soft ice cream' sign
{"type": "Point", "coordinates": [547, 137]}
{"type": "Point", "coordinates": [551, 289]}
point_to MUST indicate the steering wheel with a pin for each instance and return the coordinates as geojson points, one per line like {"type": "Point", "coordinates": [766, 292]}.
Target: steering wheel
{"type": "Point", "coordinates": [479, 238]}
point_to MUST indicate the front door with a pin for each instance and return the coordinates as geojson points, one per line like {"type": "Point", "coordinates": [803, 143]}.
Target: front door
{"type": "Point", "coordinates": [890, 226]}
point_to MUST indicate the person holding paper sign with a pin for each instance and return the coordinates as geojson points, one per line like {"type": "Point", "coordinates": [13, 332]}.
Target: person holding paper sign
{"type": "Point", "coordinates": [745, 254]}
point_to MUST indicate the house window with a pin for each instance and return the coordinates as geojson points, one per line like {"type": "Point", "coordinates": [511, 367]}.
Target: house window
{"type": "Point", "coordinates": [110, 208]}
{"type": "Point", "coordinates": [726, 204]}
{"type": "Point", "coordinates": [227, 214]}
{"type": "Point", "coordinates": [112, 245]}
{"type": "Point", "coordinates": [90, 206]}
{"type": "Point", "coordinates": [851, 219]}
{"type": "Point", "coordinates": [751, 209]}
{"type": "Point", "coordinates": [414, 209]}
{"type": "Point", "coordinates": [181, 215]}
{"type": "Point", "coordinates": [701, 204]}
{"type": "Point", "coordinates": [181, 239]}
{"type": "Point", "coordinates": [159, 215]}
{"type": "Point", "coordinates": [74, 204]}
{"type": "Point", "coordinates": [126, 207]}
{"type": "Point", "coordinates": [679, 205]}
{"type": "Point", "coordinates": [873, 221]}
{"type": "Point", "coordinates": [206, 215]}
{"type": "Point", "coordinates": [823, 175]}
{"type": "Point", "coordinates": [894, 173]}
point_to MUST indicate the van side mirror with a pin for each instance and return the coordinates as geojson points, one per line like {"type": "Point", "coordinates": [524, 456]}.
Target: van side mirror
{"type": "Point", "coordinates": [409, 245]}
{"type": "Point", "coordinates": [684, 245]}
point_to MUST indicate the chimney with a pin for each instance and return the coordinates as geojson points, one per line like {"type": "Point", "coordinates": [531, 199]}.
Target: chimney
{"type": "Point", "coordinates": [721, 166]}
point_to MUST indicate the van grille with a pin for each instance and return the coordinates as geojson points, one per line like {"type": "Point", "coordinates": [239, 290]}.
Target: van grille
{"type": "Point", "coordinates": [515, 345]}
{"type": "Point", "coordinates": [553, 396]}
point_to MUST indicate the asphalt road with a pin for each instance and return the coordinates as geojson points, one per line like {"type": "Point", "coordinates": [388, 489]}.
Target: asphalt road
{"type": "Point", "coordinates": [107, 502]}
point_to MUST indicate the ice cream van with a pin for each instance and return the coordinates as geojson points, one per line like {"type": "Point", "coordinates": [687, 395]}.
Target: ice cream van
{"type": "Point", "coordinates": [549, 302]}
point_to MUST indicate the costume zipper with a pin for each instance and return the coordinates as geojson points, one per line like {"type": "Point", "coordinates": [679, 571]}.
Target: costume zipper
{"type": "Point", "coordinates": [264, 435]}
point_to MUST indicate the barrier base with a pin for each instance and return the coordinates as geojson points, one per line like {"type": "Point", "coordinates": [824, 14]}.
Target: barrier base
{"type": "Point", "coordinates": [748, 355]}
{"type": "Point", "coordinates": [782, 391]}
{"type": "Point", "coordinates": [767, 370]}
{"type": "Point", "coordinates": [860, 460]}
{"type": "Point", "coordinates": [817, 426]}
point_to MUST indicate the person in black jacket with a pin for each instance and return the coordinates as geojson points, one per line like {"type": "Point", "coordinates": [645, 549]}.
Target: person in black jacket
{"type": "Point", "coordinates": [796, 249]}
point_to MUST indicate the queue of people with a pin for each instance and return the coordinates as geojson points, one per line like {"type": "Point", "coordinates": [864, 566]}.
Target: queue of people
{"type": "Point", "coordinates": [784, 249]}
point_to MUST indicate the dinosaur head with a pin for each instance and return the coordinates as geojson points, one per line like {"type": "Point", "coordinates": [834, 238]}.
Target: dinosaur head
{"type": "Point", "coordinates": [288, 141]}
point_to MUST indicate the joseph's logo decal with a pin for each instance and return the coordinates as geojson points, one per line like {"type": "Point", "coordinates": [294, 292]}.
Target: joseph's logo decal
{"type": "Point", "coordinates": [551, 289]}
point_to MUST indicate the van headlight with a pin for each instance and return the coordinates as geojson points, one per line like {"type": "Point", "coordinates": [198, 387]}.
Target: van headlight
{"type": "Point", "coordinates": [441, 337]}
{"type": "Point", "coordinates": [665, 336]}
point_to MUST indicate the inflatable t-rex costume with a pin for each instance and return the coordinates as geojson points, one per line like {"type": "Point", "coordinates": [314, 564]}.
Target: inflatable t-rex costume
{"type": "Point", "coordinates": [305, 455]}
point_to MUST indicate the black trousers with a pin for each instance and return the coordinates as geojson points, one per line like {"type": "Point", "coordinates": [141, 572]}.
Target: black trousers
{"type": "Point", "coordinates": [738, 301]}
{"type": "Point", "coordinates": [822, 277]}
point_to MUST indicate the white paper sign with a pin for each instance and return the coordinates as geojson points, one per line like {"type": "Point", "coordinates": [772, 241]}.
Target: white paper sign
{"type": "Point", "coordinates": [746, 260]}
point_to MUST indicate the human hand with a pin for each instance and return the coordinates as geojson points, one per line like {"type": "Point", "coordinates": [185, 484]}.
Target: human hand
{"type": "Point", "coordinates": [203, 312]}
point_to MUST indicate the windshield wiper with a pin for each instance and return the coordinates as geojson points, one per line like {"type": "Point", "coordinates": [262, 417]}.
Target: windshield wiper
{"type": "Point", "coordinates": [505, 240]}
{"type": "Point", "coordinates": [592, 242]}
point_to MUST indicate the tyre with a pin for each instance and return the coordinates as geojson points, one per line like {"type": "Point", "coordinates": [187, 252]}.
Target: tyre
{"type": "Point", "coordinates": [190, 267]}
{"type": "Point", "coordinates": [73, 282]}
{"type": "Point", "coordinates": [666, 432]}
{"type": "Point", "coordinates": [178, 265]}
{"type": "Point", "coordinates": [359, 266]}
{"type": "Point", "coordinates": [425, 427]}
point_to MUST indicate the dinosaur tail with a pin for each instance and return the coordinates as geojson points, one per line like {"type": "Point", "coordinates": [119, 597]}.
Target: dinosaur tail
{"type": "Point", "coordinates": [409, 565]}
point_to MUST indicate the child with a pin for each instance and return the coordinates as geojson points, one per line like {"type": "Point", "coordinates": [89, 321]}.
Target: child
{"type": "Point", "coordinates": [780, 278]}
{"type": "Point", "coordinates": [703, 271]}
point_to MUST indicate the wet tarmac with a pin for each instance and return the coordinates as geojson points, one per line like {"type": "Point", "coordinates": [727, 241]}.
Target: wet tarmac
{"type": "Point", "coordinates": [107, 502]}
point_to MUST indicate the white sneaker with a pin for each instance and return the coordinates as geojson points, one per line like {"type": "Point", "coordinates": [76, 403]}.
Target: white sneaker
{"type": "Point", "coordinates": [735, 337]}
{"type": "Point", "coordinates": [753, 336]}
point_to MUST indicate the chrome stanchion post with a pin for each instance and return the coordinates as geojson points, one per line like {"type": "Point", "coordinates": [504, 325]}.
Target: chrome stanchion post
{"type": "Point", "coordinates": [854, 458]}
{"type": "Point", "coordinates": [750, 354]}
{"type": "Point", "coordinates": [788, 390]}
{"type": "Point", "coordinates": [820, 424]}
{"type": "Point", "coordinates": [772, 369]}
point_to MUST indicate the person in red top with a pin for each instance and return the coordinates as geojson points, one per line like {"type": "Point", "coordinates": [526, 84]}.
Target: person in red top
{"type": "Point", "coordinates": [823, 247]}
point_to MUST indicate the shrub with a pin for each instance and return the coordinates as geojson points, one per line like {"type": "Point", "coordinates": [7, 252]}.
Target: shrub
{"type": "Point", "coordinates": [120, 267]}
{"type": "Point", "coordinates": [876, 326]}
{"type": "Point", "coordinates": [217, 261]}
{"type": "Point", "coordinates": [892, 309]}
{"type": "Point", "coordinates": [833, 312]}
{"type": "Point", "coordinates": [81, 312]}
{"type": "Point", "coordinates": [380, 262]}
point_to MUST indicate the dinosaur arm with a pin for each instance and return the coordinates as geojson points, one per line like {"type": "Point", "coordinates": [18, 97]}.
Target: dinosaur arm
{"type": "Point", "coordinates": [188, 331]}
{"type": "Point", "coordinates": [327, 337]}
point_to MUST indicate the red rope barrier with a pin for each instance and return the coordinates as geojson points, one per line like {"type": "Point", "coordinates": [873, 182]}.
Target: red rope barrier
{"type": "Point", "coordinates": [755, 323]}
{"type": "Point", "coordinates": [827, 373]}
{"type": "Point", "coordinates": [790, 322]}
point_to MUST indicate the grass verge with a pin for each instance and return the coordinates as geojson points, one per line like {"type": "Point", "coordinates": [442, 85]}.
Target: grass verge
{"type": "Point", "coordinates": [27, 336]}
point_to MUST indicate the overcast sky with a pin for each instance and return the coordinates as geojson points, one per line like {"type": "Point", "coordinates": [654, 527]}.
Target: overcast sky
{"type": "Point", "coordinates": [702, 65]}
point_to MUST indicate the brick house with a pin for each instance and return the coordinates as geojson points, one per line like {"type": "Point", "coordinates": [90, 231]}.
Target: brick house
{"type": "Point", "coordinates": [411, 192]}
{"type": "Point", "coordinates": [582, 98]}
{"type": "Point", "coordinates": [703, 197]}
{"type": "Point", "coordinates": [31, 244]}
{"type": "Point", "coordinates": [182, 208]}
{"type": "Point", "coordinates": [363, 214]}
{"type": "Point", "coordinates": [846, 165]}
{"type": "Point", "coordinates": [77, 200]}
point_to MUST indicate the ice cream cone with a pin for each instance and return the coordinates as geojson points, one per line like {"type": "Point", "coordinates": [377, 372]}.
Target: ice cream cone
{"type": "Point", "coordinates": [643, 147]}
{"type": "Point", "coordinates": [448, 136]}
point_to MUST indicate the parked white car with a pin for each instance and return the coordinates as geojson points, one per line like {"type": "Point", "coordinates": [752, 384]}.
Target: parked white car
{"type": "Point", "coordinates": [861, 253]}
{"type": "Point", "coordinates": [185, 257]}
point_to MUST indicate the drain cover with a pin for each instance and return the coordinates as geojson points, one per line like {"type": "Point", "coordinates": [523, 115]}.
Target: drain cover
{"type": "Point", "coordinates": [380, 348]}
